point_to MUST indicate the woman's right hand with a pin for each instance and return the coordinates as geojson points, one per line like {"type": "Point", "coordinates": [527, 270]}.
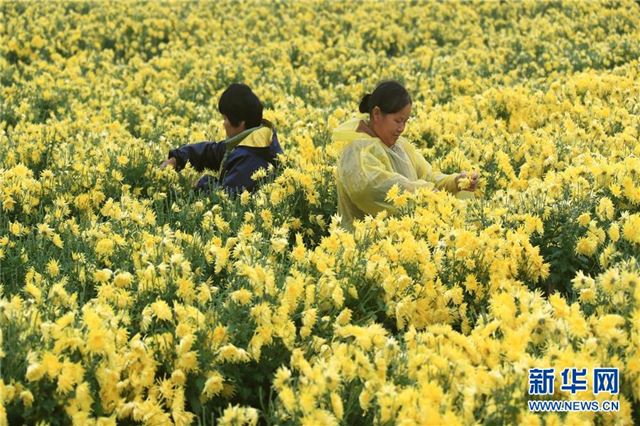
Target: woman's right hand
{"type": "Point", "coordinates": [170, 162]}
{"type": "Point", "coordinates": [473, 180]}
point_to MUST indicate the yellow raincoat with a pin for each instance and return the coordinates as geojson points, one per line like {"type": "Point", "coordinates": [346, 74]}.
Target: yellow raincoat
{"type": "Point", "coordinates": [367, 169]}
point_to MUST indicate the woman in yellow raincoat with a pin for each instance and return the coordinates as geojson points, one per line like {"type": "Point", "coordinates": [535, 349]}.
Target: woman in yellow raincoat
{"type": "Point", "coordinates": [376, 157]}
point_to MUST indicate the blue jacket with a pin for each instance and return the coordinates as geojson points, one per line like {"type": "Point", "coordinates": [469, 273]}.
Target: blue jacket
{"type": "Point", "coordinates": [237, 158]}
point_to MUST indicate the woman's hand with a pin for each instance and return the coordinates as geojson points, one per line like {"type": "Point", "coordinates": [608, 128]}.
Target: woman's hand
{"type": "Point", "coordinates": [473, 180]}
{"type": "Point", "coordinates": [171, 162]}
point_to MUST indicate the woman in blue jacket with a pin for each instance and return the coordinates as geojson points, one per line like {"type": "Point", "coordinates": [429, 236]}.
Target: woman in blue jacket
{"type": "Point", "coordinates": [251, 144]}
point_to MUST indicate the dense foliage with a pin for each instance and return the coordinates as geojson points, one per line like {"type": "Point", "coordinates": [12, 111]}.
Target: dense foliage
{"type": "Point", "coordinates": [125, 297]}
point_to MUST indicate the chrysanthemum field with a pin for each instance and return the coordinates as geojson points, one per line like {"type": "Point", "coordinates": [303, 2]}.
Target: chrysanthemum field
{"type": "Point", "coordinates": [126, 298]}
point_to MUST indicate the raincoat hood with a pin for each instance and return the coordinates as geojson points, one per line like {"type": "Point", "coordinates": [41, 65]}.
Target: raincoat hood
{"type": "Point", "coordinates": [347, 131]}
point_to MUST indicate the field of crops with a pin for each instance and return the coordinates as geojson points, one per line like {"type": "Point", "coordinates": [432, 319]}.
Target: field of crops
{"type": "Point", "coordinates": [126, 298]}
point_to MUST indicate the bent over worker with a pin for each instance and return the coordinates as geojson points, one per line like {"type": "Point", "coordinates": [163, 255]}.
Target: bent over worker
{"type": "Point", "coordinates": [376, 157]}
{"type": "Point", "coordinates": [251, 144]}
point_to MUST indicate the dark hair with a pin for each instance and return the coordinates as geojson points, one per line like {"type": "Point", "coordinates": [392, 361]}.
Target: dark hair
{"type": "Point", "coordinates": [239, 104]}
{"type": "Point", "coordinates": [390, 96]}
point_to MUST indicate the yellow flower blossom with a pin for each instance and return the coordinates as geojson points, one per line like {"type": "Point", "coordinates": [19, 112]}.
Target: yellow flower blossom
{"type": "Point", "coordinates": [102, 275]}
{"type": "Point", "coordinates": [213, 386]}
{"type": "Point", "coordinates": [161, 310]}
{"type": "Point", "coordinates": [53, 268]}
{"type": "Point", "coordinates": [631, 229]}
{"type": "Point", "coordinates": [241, 297]}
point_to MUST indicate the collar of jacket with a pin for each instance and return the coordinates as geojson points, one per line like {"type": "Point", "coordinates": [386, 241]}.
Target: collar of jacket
{"type": "Point", "coordinates": [255, 137]}
{"type": "Point", "coordinates": [347, 132]}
